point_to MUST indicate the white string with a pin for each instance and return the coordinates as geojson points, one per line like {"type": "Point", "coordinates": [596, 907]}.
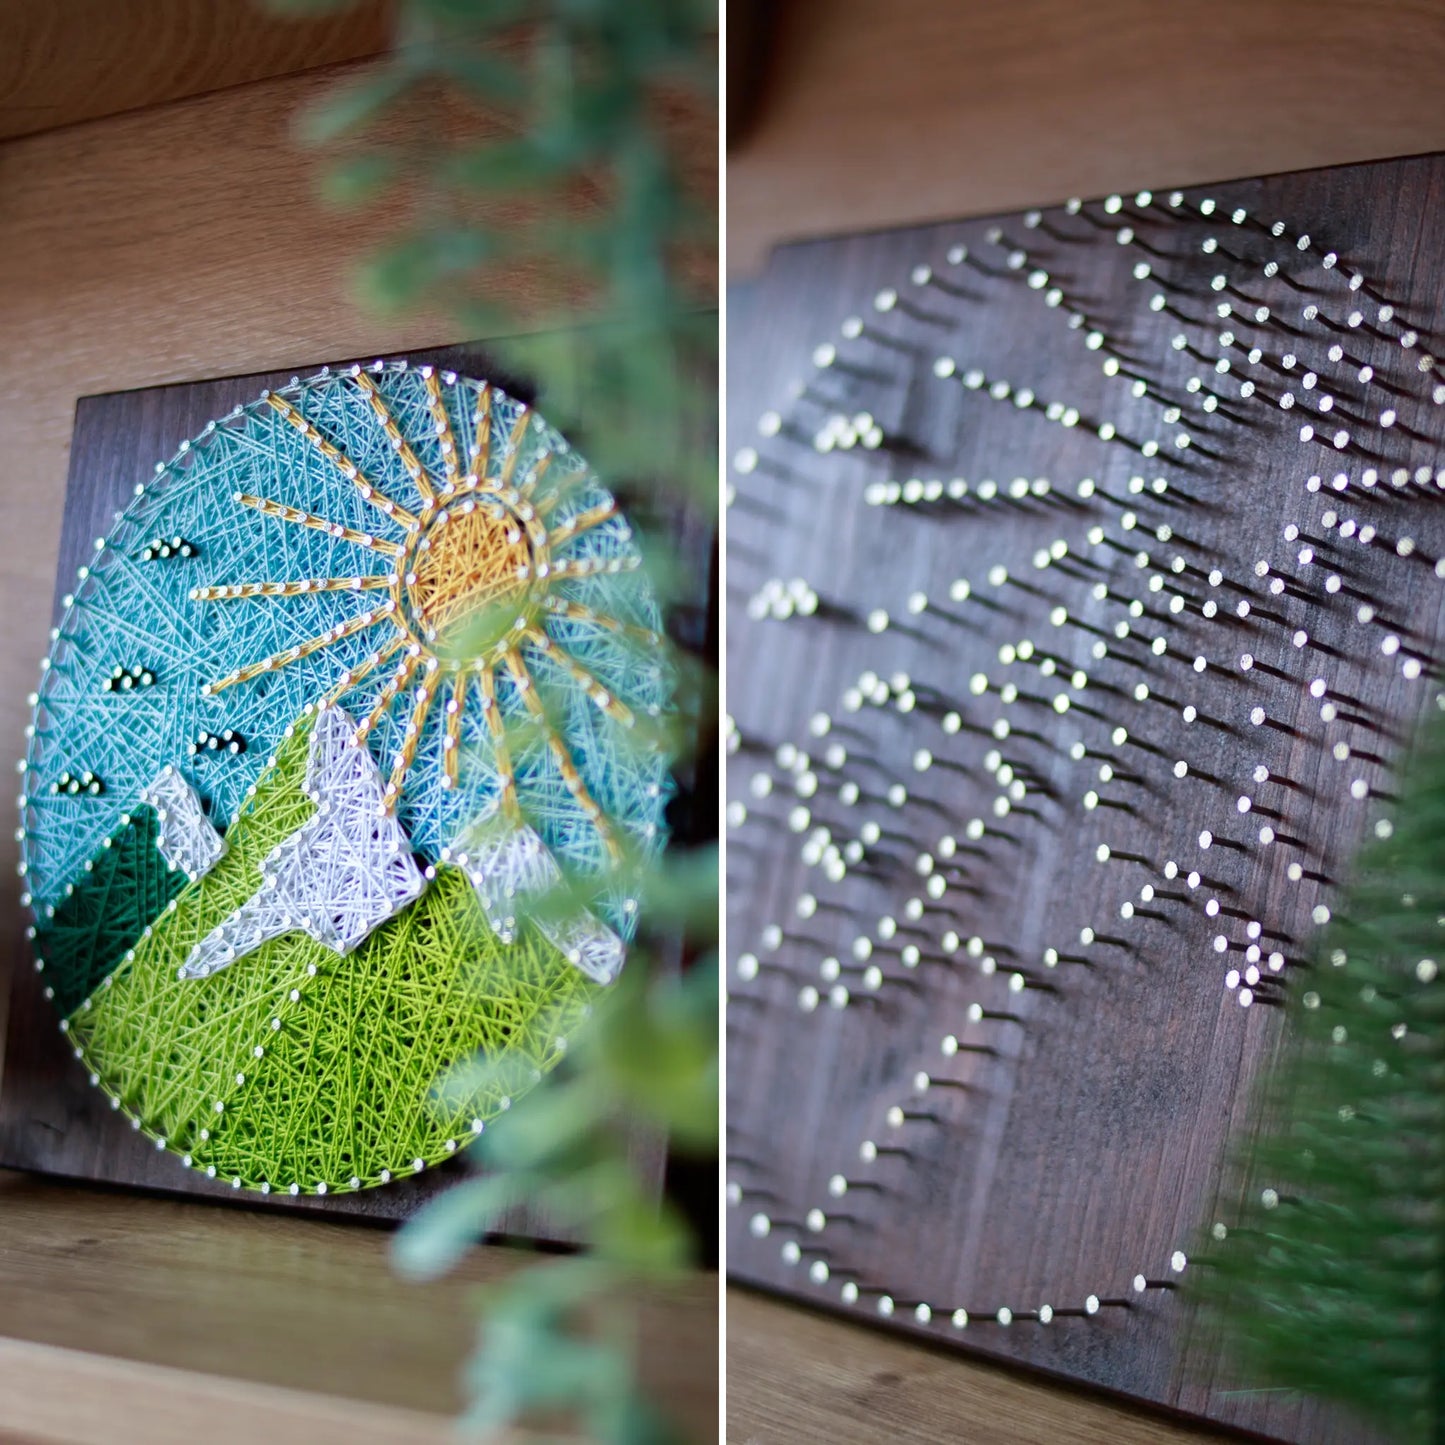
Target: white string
{"type": "Point", "coordinates": [346, 870]}
{"type": "Point", "coordinates": [187, 839]}
{"type": "Point", "coordinates": [510, 866]}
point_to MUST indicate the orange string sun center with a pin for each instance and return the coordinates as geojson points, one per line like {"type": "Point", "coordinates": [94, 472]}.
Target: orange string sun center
{"type": "Point", "coordinates": [472, 579]}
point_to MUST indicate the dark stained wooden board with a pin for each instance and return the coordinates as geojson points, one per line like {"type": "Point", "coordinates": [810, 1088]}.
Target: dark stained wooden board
{"type": "Point", "coordinates": [51, 1119]}
{"type": "Point", "coordinates": [1089, 1145]}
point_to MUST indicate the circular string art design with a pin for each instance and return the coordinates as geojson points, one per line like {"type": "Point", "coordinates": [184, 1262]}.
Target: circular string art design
{"type": "Point", "coordinates": [361, 684]}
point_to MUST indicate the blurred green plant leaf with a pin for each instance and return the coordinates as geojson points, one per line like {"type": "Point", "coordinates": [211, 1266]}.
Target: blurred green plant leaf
{"type": "Point", "coordinates": [407, 272]}
{"type": "Point", "coordinates": [354, 104]}
{"type": "Point", "coordinates": [515, 164]}
{"type": "Point", "coordinates": [546, 1125]}
{"type": "Point", "coordinates": [475, 14]}
{"type": "Point", "coordinates": [661, 1055]}
{"type": "Point", "coordinates": [359, 179]}
{"type": "Point", "coordinates": [682, 894]}
{"type": "Point", "coordinates": [568, 176]}
{"type": "Point", "coordinates": [432, 1241]}
{"type": "Point", "coordinates": [495, 80]}
{"type": "Point", "coordinates": [643, 1237]}
{"type": "Point", "coordinates": [530, 1360]}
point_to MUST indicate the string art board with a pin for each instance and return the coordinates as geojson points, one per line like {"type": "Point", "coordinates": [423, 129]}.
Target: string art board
{"type": "Point", "coordinates": [1084, 584]}
{"type": "Point", "coordinates": [365, 666]}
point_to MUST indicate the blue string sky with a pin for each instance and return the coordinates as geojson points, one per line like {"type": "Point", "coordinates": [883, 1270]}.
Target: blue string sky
{"type": "Point", "coordinates": [133, 612]}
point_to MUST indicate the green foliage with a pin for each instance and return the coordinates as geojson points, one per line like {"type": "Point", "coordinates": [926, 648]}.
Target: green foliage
{"type": "Point", "coordinates": [354, 104]}
{"type": "Point", "coordinates": [1333, 1284]}
{"type": "Point", "coordinates": [566, 176]}
{"type": "Point", "coordinates": [532, 1364]}
{"type": "Point", "coordinates": [558, 1336]}
{"type": "Point", "coordinates": [359, 180]}
{"type": "Point", "coordinates": [571, 102]}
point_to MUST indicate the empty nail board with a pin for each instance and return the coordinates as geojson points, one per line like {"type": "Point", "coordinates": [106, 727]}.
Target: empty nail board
{"type": "Point", "coordinates": [1083, 585]}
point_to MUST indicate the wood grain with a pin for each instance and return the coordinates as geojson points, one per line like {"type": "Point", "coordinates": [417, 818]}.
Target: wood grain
{"type": "Point", "coordinates": [50, 1394]}
{"type": "Point", "coordinates": [76, 60]}
{"type": "Point", "coordinates": [796, 1376]}
{"type": "Point", "coordinates": [1085, 1143]}
{"type": "Point", "coordinates": [883, 115]}
{"type": "Point", "coordinates": [174, 1308]}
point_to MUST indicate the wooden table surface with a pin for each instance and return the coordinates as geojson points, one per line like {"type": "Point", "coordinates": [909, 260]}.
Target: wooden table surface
{"type": "Point", "coordinates": [794, 1375]}
{"type": "Point", "coordinates": [874, 115]}
{"type": "Point", "coordinates": [126, 1317]}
